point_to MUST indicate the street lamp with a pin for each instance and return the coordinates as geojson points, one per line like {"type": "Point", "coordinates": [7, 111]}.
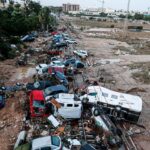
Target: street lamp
{"type": "Point", "coordinates": [126, 19]}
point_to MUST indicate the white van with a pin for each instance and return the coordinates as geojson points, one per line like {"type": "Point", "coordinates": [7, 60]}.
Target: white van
{"type": "Point", "coordinates": [70, 106]}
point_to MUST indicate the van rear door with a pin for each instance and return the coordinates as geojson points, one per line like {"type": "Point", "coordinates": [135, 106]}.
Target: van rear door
{"type": "Point", "coordinates": [70, 111]}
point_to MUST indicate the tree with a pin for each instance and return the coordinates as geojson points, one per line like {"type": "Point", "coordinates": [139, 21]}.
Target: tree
{"type": "Point", "coordinates": [122, 16]}
{"type": "Point", "coordinates": [17, 21]}
{"type": "Point", "coordinates": [26, 3]}
{"type": "Point", "coordinates": [11, 6]}
{"type": "Point", "coordinates": [102, 14]}
{"type": "Point", "coordinates": [44, 18]}
{"type": "Point", "coordinates": [3, 2]}
{"type": "Point", "coordinates": [34, 7]}
{"type": "Point", "coordinates": [138, 16]}
{"type": "Point", "coordinates": [147, 18]}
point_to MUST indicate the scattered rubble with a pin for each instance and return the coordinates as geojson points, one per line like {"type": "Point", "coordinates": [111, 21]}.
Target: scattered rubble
{"type": "Point", "coordinates": [96, 115]}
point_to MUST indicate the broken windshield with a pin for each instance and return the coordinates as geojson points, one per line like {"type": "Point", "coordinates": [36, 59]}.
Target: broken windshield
{"type": "Point", "coordinates": [38, 104]}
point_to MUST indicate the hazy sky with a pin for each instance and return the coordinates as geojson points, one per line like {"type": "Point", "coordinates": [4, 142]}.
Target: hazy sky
{"type": "Point", "coordinates": [115, 4]}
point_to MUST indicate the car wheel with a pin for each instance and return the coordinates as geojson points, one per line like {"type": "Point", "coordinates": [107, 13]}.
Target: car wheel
{"type": "Point", "coordinates": [85, 100]}
{"type": "Point", "coordinates": [96, 112]}
{"type": "Point", "coordinates": [3, 88]}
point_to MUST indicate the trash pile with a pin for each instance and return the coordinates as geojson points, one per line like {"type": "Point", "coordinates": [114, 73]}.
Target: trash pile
{"type": "Point", "coordinates": [63, 111]}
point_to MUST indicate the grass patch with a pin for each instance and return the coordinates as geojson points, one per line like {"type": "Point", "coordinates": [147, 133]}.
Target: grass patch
{"type": "Point", "coordinates": [94, 23]}
{"type": "Point", "coordinates": [142, 76]}
{"type": "Point", "coordinates": [143, 73]}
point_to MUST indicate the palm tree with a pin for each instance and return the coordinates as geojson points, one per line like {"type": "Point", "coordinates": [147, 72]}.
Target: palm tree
{"type": "Point", "coordinates": [44, 18]}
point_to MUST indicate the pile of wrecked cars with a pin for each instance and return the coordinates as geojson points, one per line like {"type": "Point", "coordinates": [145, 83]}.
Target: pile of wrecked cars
{"type": "Point", "coordinates": [69, 119]}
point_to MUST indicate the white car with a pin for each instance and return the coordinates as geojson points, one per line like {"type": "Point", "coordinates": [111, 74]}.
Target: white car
{"type": "Point", "coordinates": [81, 53]}
{"type": "Point", "coordinates": [71, 41]}
{"type": "Point", "coordinates": [117, 104]}
{"type": "Point", "coordinates": [47, 143]}
{"type": "Point", "coordinates": [71, 106]}
{"type": "Point", "coordinates": [41, 68]}
{"type": "Point", "coordinates": [57, 63]}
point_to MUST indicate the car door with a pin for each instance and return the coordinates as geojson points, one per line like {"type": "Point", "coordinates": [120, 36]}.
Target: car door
{"type": "Point", "coordinates": [70, 111]}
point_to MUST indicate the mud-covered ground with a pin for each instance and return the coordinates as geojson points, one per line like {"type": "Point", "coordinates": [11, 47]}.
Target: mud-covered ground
{"type": "Point", "coordinates": [109, 62]}
{"type": "Point", "coordinates": [118, 66]}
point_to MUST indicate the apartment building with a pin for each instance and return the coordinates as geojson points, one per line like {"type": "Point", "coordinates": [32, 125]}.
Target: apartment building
{"type": "Point", "coordinates": [71, 7]}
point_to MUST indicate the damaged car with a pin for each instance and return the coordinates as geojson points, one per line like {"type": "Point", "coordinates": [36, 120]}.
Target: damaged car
{"type": "Point", "coordinates": [71, 106]}
{"type": "Point", "coordinates": [42, 143]}
{"type": "Point", "coordinates": [37, 104]}
{"type": "Point", "coordinates": [2, 98]}
{"type": "Point", "coordinates": [53, 90]}
{"type": "Point", "coordinates": [41, 68]}
{"type": "Point", "coordinates": [39, 85]}
{"type": "Point", "coordinates": [81, 53]}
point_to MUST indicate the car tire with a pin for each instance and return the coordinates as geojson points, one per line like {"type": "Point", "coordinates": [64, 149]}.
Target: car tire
{"type": "Point", "coordinates": [96, 112]}
{"type": "Point", "coordinates": [118, 108]}
{"type": "Point", "coordinates": [3, 88]}
{"type": "Point", "coordinates": [85, 100]}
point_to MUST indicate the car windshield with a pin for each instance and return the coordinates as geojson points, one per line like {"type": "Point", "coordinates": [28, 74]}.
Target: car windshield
{"type": "Point", "coordinates": [55, 140]}
{"type": "Point", "coordinates": [92, 94]}
{"type": "Point", "coordinates": [45, 69]}
{"type": "Point", "coordinates": [60, 75]}
{"type": "Point", "coordinates": [56, 96]}
{"type": "Point", "coordinates": [38, 104]}
{"type": "Point", "coordinates": [57, 63]}
{"type": "Point", "coordinates": [1, 98]}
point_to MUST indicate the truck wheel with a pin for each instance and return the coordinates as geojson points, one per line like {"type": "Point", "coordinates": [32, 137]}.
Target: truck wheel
{"type": "Point", "coordinates": [118, 108]}
{"type": "Point", "coordinates": [96, 112]}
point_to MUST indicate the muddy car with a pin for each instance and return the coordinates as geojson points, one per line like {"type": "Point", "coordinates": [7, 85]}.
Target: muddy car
{"type": "Point", "coordinates": [71, 107]}
{"type": "Point", "coordinates": [2, 98]}
{"type": "Point", "coordinates": [39, 85]}
{"type": "Point", "coordinates": [53, 90]}
{"type": "Point", "coordinates": [37, 104]}
{"type": "Point", "coordinates": [43, 143]}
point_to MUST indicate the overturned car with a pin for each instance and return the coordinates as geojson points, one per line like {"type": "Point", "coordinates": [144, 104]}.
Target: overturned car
{"type": "Point", "coordinates": [118, 105]}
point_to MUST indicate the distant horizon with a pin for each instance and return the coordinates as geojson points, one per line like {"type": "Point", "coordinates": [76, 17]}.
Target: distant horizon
{"type": "Point", "coordinates": [135, 5]}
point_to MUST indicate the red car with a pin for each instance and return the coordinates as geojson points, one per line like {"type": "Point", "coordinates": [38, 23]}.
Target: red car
{"type": "Point", "coordinates": [37, 104]}
{"type": "Point", "coordinates": [54, 33]}
{"type": "Point", "coordinates": [54, 69]}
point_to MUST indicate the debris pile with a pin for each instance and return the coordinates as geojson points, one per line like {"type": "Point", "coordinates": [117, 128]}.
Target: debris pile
{"type": "Point", "coordinates": [64, 107]}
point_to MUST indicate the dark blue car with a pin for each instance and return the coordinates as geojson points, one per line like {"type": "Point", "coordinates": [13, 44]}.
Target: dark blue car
{"type": "Point", "coordinates": [52, 90]}
{"type": "Point", "coordinates": [2, 99]}
{"type": "Point", "coordinates": [40, 85]}
{"type": "Point", "coordinates": [61, 77]}
{"type": "Point", "coordinates": [75, 63]}
{"type": "Point", "coordinates": [28, 38]}
{"type": "Point", "coordinates": [70, 61]}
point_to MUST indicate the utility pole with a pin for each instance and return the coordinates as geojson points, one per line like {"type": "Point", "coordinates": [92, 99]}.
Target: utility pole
{"type": "Point", "coordinates": [103, 5]}
{"type": "Point", "coordinates": [126, 19]}
{"type": "Point", "coordinates": [148, 10]}
{"type": "Point", "coordinates": [103, 2]}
